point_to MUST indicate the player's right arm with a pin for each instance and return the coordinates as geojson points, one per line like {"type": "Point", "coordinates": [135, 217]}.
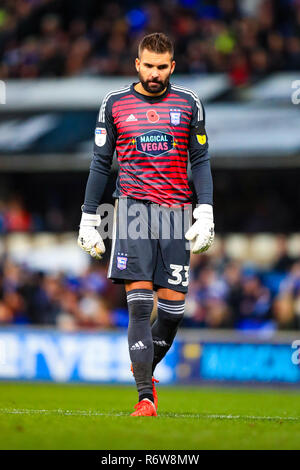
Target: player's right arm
{"type": "Point", "coordinates": [89, 238]}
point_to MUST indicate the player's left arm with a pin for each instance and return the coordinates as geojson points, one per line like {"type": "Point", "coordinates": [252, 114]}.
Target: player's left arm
{"type": "Point", "coordinates": [201, 233]}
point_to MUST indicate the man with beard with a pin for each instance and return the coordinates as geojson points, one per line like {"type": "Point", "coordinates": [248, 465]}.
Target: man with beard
{"type": "Point", "coordinates": [153, 125]}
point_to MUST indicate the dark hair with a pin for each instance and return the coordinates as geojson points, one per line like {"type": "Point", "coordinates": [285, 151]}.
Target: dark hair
{"type": "Point", "coordinates": [156, 42]}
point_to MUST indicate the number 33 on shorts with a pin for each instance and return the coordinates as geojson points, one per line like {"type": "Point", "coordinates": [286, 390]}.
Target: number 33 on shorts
{"type": "Point", "coordinates": [181, 275]}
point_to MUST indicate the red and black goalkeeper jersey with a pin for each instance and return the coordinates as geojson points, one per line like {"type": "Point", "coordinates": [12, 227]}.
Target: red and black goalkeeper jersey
{"type": "Point", "coordinates": [152, 137]}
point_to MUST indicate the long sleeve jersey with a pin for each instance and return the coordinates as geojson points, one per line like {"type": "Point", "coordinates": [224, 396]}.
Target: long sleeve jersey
{"type": "Point", "coordinates": [152, 137]}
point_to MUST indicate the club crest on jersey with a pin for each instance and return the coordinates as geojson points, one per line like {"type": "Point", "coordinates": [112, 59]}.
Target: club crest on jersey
{"type": "Point", "coordinates": [175, 116]}
{"type": "Point", "coordinates": [121, 262]}
{"type": "Point", "coordinates": [152, 115]}
{"type": "Point", "coordinates": [154, 143]}
{"type": "Point", "coordinates": [100, 136]}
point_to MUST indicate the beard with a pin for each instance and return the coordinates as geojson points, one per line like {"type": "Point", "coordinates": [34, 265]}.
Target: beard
{"type": "Point", "coordinates": [154, 86]}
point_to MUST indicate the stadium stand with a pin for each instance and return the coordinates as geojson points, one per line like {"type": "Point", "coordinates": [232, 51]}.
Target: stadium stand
{"type": "Point", "coordinates": [246, 39]}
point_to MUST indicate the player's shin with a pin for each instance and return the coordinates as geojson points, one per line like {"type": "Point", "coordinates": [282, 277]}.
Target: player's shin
{"type": "Point", "coordinates": [164, 329]}
{"type": "Point", "coordinates": [140, 305]}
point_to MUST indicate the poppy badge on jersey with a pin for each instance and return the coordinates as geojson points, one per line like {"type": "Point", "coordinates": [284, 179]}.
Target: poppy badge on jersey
{"type": "Point", "coordinates": [100, 136]}
{"type": "Point", "coordinates": [152, 115]}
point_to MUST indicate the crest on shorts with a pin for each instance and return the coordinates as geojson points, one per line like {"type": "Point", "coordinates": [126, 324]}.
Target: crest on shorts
{"type": "Point", "coordinates": [175, 116]}
{"type": "Point", "coordinates": [122, 262]}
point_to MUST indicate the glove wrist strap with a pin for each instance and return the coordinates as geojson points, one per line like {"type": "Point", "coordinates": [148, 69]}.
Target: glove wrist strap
{"type": "Point", "coordinates": [90, 220]}
{"type": "Point", "coordinates": [204, 210]}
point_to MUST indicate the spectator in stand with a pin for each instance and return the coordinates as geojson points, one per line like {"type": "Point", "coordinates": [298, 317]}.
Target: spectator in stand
{"type": "Point", "coordinates": [287, 302]}
{"type": "Point", "coordinates": [293, 52]}
{"type": "Point", "coordinates": [283, 261]}
{"type": "Point", "coordinates": [239, 70]}
{"type": "Point", "coordinates": [259, 64]}
{"type": "Point", "coordinates": [209, 292]}
{"type": "Point", "coordinates": [255, 303]}
{"type": "Point", "coordinates": [16, 217]}
{"type": "Point", "coordinates": [233, 280]}
{"type": "Point", "coordinates": [47, 299]}
{"type": "Point", "coordinates": [12, 303]}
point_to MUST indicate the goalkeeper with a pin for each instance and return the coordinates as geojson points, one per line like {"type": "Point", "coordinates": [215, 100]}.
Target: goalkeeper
{"type": "Point", "coordinates": [154, 126]}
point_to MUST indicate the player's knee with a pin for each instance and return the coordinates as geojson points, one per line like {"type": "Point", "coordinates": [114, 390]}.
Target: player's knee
{"type": "Point", "coordinates": [170, 312]}
{"type": "Point", "coordinates": [140, 304]}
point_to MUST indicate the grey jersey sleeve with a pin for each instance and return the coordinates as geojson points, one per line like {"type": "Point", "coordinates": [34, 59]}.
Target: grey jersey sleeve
{"type": "Point", "coordinates": [104, 147]}
{"type": "Point", "coordinates": [198, 154]}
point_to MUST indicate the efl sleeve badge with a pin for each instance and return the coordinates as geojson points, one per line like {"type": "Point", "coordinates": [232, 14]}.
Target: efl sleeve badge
{"type": "Point", "coordinates": [201, 139]}
{"type": "Point", "coordinates": [100, 136]}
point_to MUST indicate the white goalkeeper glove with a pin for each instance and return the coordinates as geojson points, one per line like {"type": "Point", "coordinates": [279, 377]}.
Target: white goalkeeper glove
{"type": "Point", "coordinates": [89, 238]}
{"type": "Point", "coordinates": [201, 233]}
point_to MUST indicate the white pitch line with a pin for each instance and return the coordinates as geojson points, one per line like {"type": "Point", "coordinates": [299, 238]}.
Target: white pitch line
{"type": "Point", "coordinates": [57, 412]}
{"type": "Point", "coordinates": [232, 417]}
{"type": "Point", "coordinates": [164, 415]}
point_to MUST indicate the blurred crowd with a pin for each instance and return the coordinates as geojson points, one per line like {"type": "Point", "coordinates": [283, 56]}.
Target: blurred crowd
{"type": "Point", "coordinates": [67, 302]}
{"type": "Point", "coordinates": [268, 201]}
{"type": "Point", "coordinates": [247, 39]}
{"type": "Point", "coordinates": [15, 217]}
{"type": "Point", "coordinates": [223, 293]}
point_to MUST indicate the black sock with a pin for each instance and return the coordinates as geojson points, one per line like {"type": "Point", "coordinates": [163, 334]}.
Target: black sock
{"type": "Point", "coordinates": [142, 396]}
{"type": "Point", "coordinates": [140, 305]}
{"type": "Point", "coordinates": [164, 329]}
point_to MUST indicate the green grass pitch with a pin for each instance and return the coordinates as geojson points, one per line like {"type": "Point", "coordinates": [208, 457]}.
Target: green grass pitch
{"type": "Point", "coordinates": [52, 416]}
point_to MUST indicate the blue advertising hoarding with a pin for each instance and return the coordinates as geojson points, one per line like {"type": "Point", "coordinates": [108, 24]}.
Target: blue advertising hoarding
{"type": "Point", "coordinates": [249, 362]}
{"type": "Point", "coordinates": [28, 354]}
{"type": "Point", "coordinates": [96, 357]}
{"type": "Point", "coordinates": [234, 362]}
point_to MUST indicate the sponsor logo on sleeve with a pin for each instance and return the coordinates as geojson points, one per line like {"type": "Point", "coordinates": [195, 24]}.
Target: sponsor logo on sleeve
{"type": "Point", "coordinates": [100, 136]}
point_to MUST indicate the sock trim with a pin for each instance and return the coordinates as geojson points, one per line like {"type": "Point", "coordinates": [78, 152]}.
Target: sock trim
{"type": "Point", "coordinates": [140, 294]}
{"type": "Point", "coordinates": [137, 297]}
{"type": "Point", "coordinates": [175, 308]}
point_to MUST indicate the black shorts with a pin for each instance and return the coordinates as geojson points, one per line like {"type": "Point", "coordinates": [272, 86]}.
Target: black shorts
{"type": "Point", "coordinates": [148, 244]}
